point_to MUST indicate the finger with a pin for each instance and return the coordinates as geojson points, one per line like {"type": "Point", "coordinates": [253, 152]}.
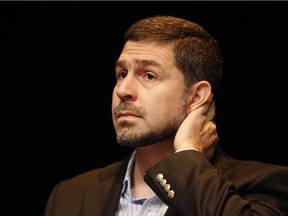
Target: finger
{"type": "Point", "coordinates": [210, 108]}
{"type": "Point", "coordinates": [211, 111]}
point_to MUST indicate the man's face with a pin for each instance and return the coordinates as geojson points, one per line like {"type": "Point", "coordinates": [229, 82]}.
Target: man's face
{"type": "Point", "coordinates": [148, 102]}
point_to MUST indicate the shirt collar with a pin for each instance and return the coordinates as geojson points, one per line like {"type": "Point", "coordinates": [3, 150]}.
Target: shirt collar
{"type": "Point", "coordinates": [126, 188]}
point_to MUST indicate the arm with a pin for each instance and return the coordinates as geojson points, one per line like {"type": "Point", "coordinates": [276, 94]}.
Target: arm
{"type": "Point", "coordinates": [198, 187]}
{"type": "Point", "coordinates": [200, 190]}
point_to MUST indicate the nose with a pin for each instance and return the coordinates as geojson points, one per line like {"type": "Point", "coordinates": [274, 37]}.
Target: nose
{"type": "Point", "coordinates": [126, 88]}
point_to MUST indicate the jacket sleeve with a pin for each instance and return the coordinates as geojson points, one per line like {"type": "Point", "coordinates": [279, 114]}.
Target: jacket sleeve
{"type": "Point", "coordinates": [187, 182]}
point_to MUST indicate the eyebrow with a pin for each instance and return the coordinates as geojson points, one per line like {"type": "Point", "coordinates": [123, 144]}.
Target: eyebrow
{"type": "Point", "coordinates": [139, 62]}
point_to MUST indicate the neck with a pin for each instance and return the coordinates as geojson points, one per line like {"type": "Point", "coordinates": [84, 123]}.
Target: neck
{"type": "Point", "coordinates": [145, 158]}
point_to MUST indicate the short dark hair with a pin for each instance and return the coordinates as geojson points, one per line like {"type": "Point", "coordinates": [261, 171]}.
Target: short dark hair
{"type": "Point", "coordinates": [197, 54]}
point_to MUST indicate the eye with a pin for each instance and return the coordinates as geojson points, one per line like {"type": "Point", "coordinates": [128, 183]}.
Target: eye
{"type": "Point", "coordinates": [150, 76]}
{"type": "Point", "coordinates": [122, 74]}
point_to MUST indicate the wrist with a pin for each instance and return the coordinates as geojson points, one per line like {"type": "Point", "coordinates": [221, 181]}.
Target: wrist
{"type": "Point", "coordinates": [187, 149]}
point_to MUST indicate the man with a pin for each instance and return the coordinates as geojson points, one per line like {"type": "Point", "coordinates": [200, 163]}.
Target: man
{"type": "Point", "coordinates": [162, 106]}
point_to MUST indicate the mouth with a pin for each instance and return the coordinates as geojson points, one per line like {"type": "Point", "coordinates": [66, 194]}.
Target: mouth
{"type": "Point", "coordinates": [127, 115]}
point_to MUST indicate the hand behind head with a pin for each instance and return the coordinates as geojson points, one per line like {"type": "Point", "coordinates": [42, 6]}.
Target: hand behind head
{"type": "Point", "coordinates": [198, 130]}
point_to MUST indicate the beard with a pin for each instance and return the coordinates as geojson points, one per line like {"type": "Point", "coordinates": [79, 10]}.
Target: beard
{"type": "Point", "coordinates": [128, 137]}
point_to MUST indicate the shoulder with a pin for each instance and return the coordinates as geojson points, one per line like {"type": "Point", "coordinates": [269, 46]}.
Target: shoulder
{"type": "Point", "coordinates": [95, 175]}
{"type": "Point", "coordinates": [229, 165]}
{"type": "Point", "coordinates": [248, 174]}
{"type": "Point", "coordinates": [67, 196]}
{"type": "Point", "coordinates": [254, 168]}
{"type": "Point", "coordinates": [248, 171]}
{"type": "Point", "coordinates": [88, 179]}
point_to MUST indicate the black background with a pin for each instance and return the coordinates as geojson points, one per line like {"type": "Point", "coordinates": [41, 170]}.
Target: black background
{"type": "Point", "coordinates": [57, 74]}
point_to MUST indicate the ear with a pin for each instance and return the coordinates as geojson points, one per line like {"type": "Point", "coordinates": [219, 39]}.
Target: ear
{"type": "Point", "coordinates": [199, 93]}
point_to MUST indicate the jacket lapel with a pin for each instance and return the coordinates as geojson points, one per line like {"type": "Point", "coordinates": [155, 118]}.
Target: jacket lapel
{"type": "Point", "coordinates": [110, 186]}
{"type": "Point", "coordinates": [170, 212]}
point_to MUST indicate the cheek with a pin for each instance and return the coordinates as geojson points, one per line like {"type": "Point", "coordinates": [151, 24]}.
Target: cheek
{"type": "Point", "coordinates": [115, 101]}
{"type": "Point", "coordinates": [165, 110]}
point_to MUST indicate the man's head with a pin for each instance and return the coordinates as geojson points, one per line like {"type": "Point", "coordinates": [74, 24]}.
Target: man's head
{"type": "Point", "coordinates": [196, 52]}
{"type": "Point", "coordinates": [167, 68]}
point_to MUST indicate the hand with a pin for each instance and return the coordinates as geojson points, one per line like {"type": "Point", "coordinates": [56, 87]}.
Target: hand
{"type": "Point", "coordinates": [198, 130]}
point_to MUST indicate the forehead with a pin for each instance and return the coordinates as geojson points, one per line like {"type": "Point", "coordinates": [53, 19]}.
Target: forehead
{"type": "Point", "coordinates": [146, 53]}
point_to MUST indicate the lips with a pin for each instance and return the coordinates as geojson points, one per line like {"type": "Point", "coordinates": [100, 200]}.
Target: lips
{"type": "Point", "coordinates": [127, 114]}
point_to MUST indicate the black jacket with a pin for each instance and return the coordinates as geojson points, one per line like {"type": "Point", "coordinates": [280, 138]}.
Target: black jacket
{"type": "Point", "coordinates": [222, 187]}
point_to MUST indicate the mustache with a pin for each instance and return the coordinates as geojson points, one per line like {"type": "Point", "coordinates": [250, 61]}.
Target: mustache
{"type": "Point", "coordinates": [130, 107]}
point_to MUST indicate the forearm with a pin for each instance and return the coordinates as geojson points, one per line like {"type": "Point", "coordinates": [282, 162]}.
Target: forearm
{"type": "Point", "coordinates": [200, 190]}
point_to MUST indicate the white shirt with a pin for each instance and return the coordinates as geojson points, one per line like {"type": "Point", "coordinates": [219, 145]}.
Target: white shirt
{"type": "Point", "coordinates": [140, 206]}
